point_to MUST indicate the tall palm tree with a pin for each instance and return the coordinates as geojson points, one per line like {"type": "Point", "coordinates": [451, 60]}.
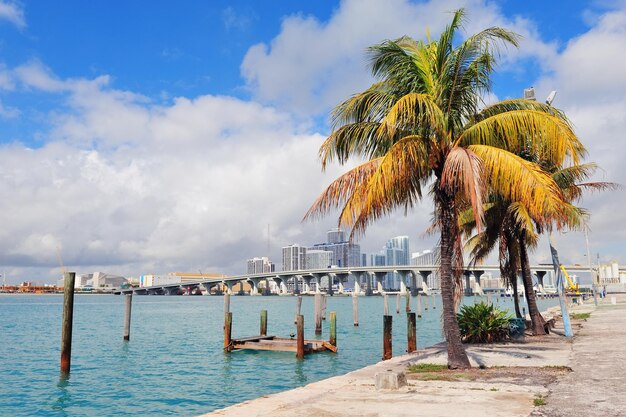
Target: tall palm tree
{"type": "Point", "coordinates": [420, 126]}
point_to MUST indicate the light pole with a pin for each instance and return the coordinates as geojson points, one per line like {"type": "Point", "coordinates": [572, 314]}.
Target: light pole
{"type": "Point", "coordinates": [594, 288]}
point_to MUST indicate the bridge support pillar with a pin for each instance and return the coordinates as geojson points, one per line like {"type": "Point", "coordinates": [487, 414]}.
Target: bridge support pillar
{"type": "Point", "coordinates": [468, 289]}
{"type": "Point", "coordinates": [380, 276]}
{"type": "Point", "coordinates": [403, 275]}
{"type": "Point", "coordinates": [306, 283]}
{"type": "Point", "coordinates": [254, 284]}
{"type": "Point", "coordinates": [540, 275]}
{"type": "Point", "coordinates": [425, 275]}
{"type": "Point", "coordinates": [229, 287]}
{"type": "Point", "coordinates": [341, 279]}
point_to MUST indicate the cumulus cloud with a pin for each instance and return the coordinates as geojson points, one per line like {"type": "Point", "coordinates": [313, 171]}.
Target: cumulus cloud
{"type": "Point", "coordinates": [590, 83]}
{"type": "Point", "coordinates": [311, 65]}
{"type": "Point", "coordinates": [13, 13]}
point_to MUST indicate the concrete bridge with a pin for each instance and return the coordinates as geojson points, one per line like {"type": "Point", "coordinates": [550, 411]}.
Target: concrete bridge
{"type": "Point", "coordinates": [365, 279]}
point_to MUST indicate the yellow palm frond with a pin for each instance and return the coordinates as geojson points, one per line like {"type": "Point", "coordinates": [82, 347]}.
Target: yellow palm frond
{"type": "Point", "coordinates": [517, 179]}
{"type": "Point", "coordinates": [463, 173]}
{"type": "Point", "coordinates": [342, 189]}
{"type": "Point", "coordinates": [413, 109]}
{"type": "Point", "coordinates": [546, 136]}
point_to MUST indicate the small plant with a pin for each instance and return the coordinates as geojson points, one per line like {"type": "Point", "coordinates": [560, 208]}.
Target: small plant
{"type": "Point", "coordinates": [426, 367]}
{"type": "Point", "coordinates": [539, 401]}
{"type": "Point", "coordinates": [483, 323]}
{"type": "Point", "coordinates": [494, 389]}
{"type": "Point", "coordinates": [580, 316]}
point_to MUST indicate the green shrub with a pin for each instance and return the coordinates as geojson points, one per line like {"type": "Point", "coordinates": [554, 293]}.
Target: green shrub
{"type": "Point", "coordinates": [483, 323]}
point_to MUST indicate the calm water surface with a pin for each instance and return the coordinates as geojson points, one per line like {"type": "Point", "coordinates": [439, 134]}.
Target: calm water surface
{"type": "Point", "coordinates": [174, 363]}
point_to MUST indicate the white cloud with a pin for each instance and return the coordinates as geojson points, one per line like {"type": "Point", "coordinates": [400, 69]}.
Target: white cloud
{"type": "Point", "coordinates": [590, 83]}
{"type": "Point", "coordinates": [311, 66]}
{"type": "Point", "coordinates": [13, 13]}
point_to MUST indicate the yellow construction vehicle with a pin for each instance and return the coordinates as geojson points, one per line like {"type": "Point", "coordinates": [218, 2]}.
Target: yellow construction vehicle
{"type": "Point", "coordinates": [572, 288]}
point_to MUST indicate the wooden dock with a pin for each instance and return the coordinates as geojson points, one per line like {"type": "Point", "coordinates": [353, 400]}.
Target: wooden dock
{"type": "Point", "coordinates": [280, 344]}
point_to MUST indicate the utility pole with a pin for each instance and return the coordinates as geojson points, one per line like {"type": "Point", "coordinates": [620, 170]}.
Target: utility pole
{"type": "Point", "coordinates": [594, 287]}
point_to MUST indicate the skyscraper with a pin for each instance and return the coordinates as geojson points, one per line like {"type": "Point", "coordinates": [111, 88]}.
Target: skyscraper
{"type": "Point", "coordinates": [397, 253]}
{"type": "Point", "coordinates": [260, 265]}
{"type": "Point", "coordinates": [294, 258]}
{"type": "Point", "coordinates": [428, 257]}
{"type": "Point", "coordinates": [318, 259]}
{"type": "Point", "coordinates": [345, 253]}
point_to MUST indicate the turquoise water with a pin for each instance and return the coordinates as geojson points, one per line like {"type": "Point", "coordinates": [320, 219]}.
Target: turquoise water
{"type": "Point", "coordinates": [174, 363]}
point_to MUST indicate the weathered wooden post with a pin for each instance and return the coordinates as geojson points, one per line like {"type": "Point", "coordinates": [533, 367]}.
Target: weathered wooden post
{"type": "Point", "coordinates": [386, 304]}
{"type": "Point", "coordinates": [411, 332]}
{"type": "Point", "coordinates": [387, 320]}
{"type": "Point", "coordinates": [324, 300]}
{"type": "Point", "coordinates": [226, 303]}
{"type": "Point", "coordinates": [228, 327]}
{"type": "Point", "coordinates": [263, 329]}
{"type": "Point", "coordinates": [129, 304]}
{"type": "Point", "coordinates": [398, 303]}
{"type": "Point", "coordinates": [66, 326]}
{"type": "Point", "coordinates": [355, 309]}
{"type": "Point", "coordinates": [300, 337]}
{"type": "Point", "coordinates": [425, 302]}
{"type": "Point", "coordinates": [408, 301]}
{"type": "Point", "coordinates": [298, 308]}
{"type": "Point", "coordinates": [434, 302]}
{"type": "Point", "coordinates": [333, 328]}
{"type": "Point", "coordinates": [318, 313]}
{"type": "Point", "coordinates": [419, 306]}
{"type": "Point", "coordinates": [488, 298]}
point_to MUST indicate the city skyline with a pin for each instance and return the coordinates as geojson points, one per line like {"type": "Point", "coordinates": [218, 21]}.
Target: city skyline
{"type": "Point", "coordinates": [167, 138]}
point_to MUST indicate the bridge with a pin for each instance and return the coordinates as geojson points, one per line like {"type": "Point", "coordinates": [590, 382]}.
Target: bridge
{"type": "Point", "coordinates": [366, 278]}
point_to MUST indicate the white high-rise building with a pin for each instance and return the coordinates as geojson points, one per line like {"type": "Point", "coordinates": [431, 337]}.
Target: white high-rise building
{"type": "Point", "coordinates": [260, 265]}
{"type": "Point", "coordinates": [294, 258]}
{"type": "Point", "coordinates": [319, 259]}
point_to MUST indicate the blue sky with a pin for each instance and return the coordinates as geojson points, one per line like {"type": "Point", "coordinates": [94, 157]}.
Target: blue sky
{"type": "Point", "coordinates": [167, 137]}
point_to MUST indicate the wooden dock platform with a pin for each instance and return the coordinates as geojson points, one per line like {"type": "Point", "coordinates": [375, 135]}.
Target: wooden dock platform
{"type": "Point", "coordinates": [280, 344]}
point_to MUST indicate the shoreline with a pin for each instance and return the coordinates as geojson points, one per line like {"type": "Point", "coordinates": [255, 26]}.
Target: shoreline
{"type": "Point", "coordinates": [506, 380]}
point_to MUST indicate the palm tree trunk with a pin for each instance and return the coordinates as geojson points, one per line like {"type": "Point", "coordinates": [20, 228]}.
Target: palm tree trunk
{"type": "Point", "coordinates": [538, 323]}
{"type": "Point", "coordinates": [513, 281]}
{"type": "Point", "coordinates": [457, 358]}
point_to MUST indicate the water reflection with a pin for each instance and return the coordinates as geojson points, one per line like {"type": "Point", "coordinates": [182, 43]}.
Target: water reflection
{"type": "Point", "coordinates": [64, 397]}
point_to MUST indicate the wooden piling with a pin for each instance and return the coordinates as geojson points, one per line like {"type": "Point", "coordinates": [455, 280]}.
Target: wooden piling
{"type": "Point", "coordinates": [434, 302]}
{"type": "Point", "coordinates": [333, 328]}
{"type": "Point", "coordinates": [300, 337]}
{"type": "Point", "coordinates": [226, 303]}
{"type": "Point", "coordinates": [387, 321]}
{"type": "Point", "coordinates": [386, 304]}
{"type": "Point", "coordinates": [263, 329]}
{"type": "Point", "coordinates": [298, 308]}
{"type": "Point", "coordinates": [129, 304]}
{"type": "Point", "coordinates": [425, 302]}
{"type": "Point", "coordinates": [228, 326]}
{"type": "Point", "coordinates": [68, 317]}
{"type": "Point", "coordinates": [318, 313]}
{"type": "Point", "coordinates": [324, 301]}
{"type": "Point", "coordinates": [355, 309]}
{"type": "Point", "coordinates": [419, 306]}
{"type": "Point", "coordinates": [398, 303]}
{"type": "Point", "coordinates": [411, 333]}
{"type": "Point", "coordinates": [488, 298]}
{"type": "Point", "coordinates": [408, 301]}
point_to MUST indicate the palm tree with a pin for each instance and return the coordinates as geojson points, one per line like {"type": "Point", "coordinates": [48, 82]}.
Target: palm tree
{"type": "Point", "coordinates": [420, 126]}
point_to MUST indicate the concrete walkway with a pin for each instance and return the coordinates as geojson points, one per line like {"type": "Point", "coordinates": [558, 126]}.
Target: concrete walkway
{"type": "Point", "coordinates": [518, 375]}
{"type": "Point", "coordinates": [597, 385]}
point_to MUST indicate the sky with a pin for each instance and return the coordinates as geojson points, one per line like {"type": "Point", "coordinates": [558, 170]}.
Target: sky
{"type": "Point", "coordinates": [141, 139]}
